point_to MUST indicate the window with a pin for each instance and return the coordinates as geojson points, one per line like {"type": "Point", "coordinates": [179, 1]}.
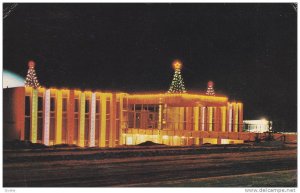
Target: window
{"type": "Point", "coordinates": [76, 107]}
{"type": "Point", "coordinates": [87, 106]}
{"type": "Point", "coordinates": [97, 106]}
{"type": "Point", "coordinates": [27, 106]}
{"type": "Point", "coordinates": [40, 103]}
{"type": "Point", "coordinates": [64, 104]}
{"type": "Point", "coordinates": [52, 104]}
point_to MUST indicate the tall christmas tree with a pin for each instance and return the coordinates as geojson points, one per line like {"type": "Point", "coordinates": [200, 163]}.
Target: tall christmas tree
{"type": "Point", "coordinates": [31, 78]}
{"type": "Point", "coordinates": [210, 88]}
{"type": "Point", "coordinates": [177, 85]}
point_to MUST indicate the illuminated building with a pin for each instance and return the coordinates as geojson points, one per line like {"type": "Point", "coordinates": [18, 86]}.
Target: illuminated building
{"type": "Point", "coordinates": [109, 119]}
{"type": "Point", "coordinates": [257, 126]}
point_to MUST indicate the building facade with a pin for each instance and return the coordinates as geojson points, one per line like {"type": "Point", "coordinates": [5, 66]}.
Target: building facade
{"type": "Point", "coordinates": [257, 126]}
{"type": "Point", "coordinates": [109, 119]}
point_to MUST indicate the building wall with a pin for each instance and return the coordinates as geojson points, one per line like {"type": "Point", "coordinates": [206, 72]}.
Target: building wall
{"type": "Point", "coordinates": [84, 118]}
{"type": "Point", "coordinates": [88, 119]}
{"type": "Point", "coordinates": [13, 113]}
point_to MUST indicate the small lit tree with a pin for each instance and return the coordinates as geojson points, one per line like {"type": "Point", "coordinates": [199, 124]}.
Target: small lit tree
{"type": "Point", "coordinates": [177, 85]}
{"type": "Point", "coordinates": [31, 78]}
{"type": "Point", "coordinates": [210, 88]}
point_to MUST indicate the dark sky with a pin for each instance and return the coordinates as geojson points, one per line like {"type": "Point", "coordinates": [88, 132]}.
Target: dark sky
{"type": "Point", "coordinates": [248, 50]}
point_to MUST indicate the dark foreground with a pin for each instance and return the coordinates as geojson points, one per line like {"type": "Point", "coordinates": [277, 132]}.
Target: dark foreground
{"type": "Point", "coordinates": [210, 166]}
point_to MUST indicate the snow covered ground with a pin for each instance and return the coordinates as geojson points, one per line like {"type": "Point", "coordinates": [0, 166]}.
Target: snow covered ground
{"type": "Point", "coordinates": [213, 166]}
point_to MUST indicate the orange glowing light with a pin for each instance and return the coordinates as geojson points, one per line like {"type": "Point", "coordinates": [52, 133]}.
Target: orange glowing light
{"type": "Point", "coordinates": [177, 64]}
{"type": "Point", "coordinates": [210, 83]}
{"type": "Point", "coordinates": [31, 64]}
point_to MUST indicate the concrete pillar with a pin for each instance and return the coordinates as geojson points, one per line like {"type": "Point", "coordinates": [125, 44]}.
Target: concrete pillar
{"type": "Point", "coordinates": [18, 112]}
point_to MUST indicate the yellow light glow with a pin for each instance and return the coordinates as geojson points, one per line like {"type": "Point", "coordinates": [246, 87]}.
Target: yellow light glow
{"type": "Point", "coordinates": [34, 113]}
{"type": "Point", "coordinates": [165, 96]}
{"type": "Point", "coordinates": [236, 120]}
{"type": "Point", "coordinates": [82, 120]}
{"type": "Point", "coordinates": [58, 131]}
{"type": "Point", "coordinates": [103, 120]}
{"type": "Point", "coordinates": [177, 64]}
{"type": "Point", "coordinates": [210, 116]}
{"type": "Point", "coordinates": [223, 112]}
{"type": "Point", "coordinates": [196, 118]}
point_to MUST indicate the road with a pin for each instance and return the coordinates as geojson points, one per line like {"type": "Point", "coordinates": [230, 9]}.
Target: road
{"type": "Point", "coordinates": [23, 169]}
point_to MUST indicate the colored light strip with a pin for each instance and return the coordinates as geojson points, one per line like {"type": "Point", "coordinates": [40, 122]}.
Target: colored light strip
{"type": "Point", "coordinates": [103, 120]}
{"type": "Point", "coordinates": [230, 118]}
{"type": "Point", "coordinates": [159, 116]}
{"type": "Point", "coordinates": [47, 117]}
{"type": "Point", "coordinates": [58, 128]}
{"type": "Point", "coordinates": [196, 118]}
{"type": "Point", "coordinates": [240, 117]}
{"type": "Point", "coordinates": [203, 118]}
{"type": "Point", "coordinates": [236, 120]}
{"type": "Point", "coordinates": [34, 114]}
{"type": "Point", "coordinates": [93, 118]}
{"type": "Point", "coordinates": [210, 114]}
{"type": "Point", "coordinates": [82, 120]}
{"type": "Point", "coordinates": [223, 112]}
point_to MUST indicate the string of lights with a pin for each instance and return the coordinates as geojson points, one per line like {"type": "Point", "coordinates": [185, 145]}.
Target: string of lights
{"type": "Point", "coordinates": [31, 78]}
{"type": "Point", "coordinates": [210, 89]}
{"type": "Point", "coordinates": [177, 85]}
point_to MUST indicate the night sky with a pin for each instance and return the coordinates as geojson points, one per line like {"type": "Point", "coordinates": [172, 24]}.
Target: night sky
{"type": "Point", "coordinates": [248, 50]}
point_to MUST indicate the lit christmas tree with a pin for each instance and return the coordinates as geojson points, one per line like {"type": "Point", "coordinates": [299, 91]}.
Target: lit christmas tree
{"type": "Point", "coordinates": [177, 85]}
{"type": "Point", "coordinates": [31, 79]}
{"type": "Point", "coordinates": [210, 88]}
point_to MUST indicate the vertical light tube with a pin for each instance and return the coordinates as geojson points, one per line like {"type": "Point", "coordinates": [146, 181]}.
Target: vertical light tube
{"type": "Point", "coordinates": [70, 117]}
{"type": "Point", "coordinates": [93, 118]}
{"type": "Point", "coordinates": [230, 118]}
{"type": "Point", "coordinates": [240, 117]}
{"type": "Point", "coordinates": [103, 120]}
{"type": "Point", "coordinates": [159, 116]}
{"type": "Point", "coordinates": [210, 115]}
{"type": "Point", "coordinates": [223, 112]}
{"type": "Point", "coordinates": [34, 113]}
{"type": "Point", "coordinates": [121, 120]}
{"type": "Point", "coordinates": [46, 117]}
{"type": "Point", "coordinates": [112, 119]}
{"type": "Point", "coordinates": [203, 118]}
{"type": "Point", "coordinates": [82, 120]}
{"type": "Point", "coordinates": [196, 121]}
{"type": "Point", "coordinates": [58, 131]}
{"type": "Point", "coordinates": [236, 117]}
{"type": "Point", "coordinates": [196, 118]}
